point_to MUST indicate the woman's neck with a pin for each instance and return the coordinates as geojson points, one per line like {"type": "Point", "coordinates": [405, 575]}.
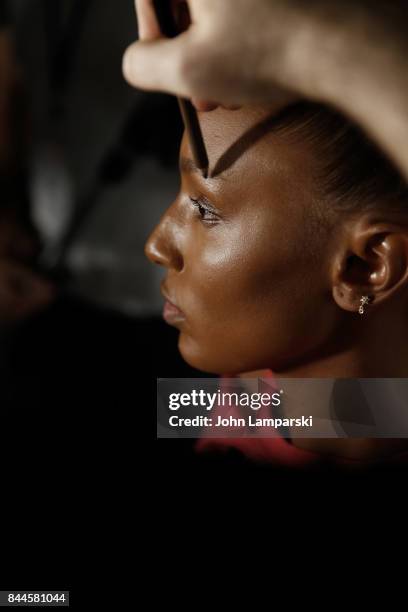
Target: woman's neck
{"type": "Point", "coordinates": [377, 350]}
{"type": "Point", "coordinates": [381, 351]}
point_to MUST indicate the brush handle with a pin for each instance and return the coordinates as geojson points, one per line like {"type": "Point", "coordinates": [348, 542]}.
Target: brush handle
{"type": "Point", "coordinates": [168, 26]}
{"type": "Point", "coordinates": [165, 18]}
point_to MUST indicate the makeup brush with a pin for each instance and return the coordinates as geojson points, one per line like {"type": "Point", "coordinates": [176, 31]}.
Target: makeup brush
{"type": "Point", "coordinates": [168, 26]}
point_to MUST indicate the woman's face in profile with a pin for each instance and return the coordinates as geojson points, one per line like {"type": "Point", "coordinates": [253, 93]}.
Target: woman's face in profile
{"type": "Point", "coordinates": [244, 261]}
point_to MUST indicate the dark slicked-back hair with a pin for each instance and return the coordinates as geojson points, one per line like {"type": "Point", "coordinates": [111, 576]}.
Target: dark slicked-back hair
{"type": "Point", "coordinates": [352, 173]}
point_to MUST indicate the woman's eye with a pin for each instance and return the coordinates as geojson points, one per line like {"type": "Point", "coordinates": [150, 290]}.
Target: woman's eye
{"type": "Point", "coordinates": [205, 213]}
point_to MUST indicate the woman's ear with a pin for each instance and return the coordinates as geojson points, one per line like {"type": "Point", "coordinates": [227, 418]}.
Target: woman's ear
{"type": "Point", "coordinates": [371, 260]}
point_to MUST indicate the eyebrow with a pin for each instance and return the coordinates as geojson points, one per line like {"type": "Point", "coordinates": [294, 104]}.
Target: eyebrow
{"type": "Point", "coordinates": [187, 166]}
{"type": "Point", "coordinates": [271, 123]}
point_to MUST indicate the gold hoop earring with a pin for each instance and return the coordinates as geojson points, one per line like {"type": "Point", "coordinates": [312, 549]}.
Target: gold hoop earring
{"type": "Point", "coordinates": [365, 299]}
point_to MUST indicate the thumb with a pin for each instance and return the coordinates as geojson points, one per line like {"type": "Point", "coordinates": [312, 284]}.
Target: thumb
{"type": "Point", "coordinates": [162, 65]}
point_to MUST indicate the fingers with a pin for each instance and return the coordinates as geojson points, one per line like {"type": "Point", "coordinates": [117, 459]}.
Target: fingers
{"type": "Point", "coordinates": [158, 65]}
{"type": "Point", "coordinates": [146, 19]}
{"type": "Point", "coordinates": [155, 62]}
{"type": "Point", "coordinates": [148, 75]}
{"type": "Point", "coordinates": [189, 65]}
{"type": "Point", "coordinates": [207, 105]}
{"type": "Point", "coordinates": [204, 105]}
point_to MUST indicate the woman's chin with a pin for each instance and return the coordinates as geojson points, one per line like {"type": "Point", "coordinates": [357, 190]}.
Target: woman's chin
{"type": "Point", "coordinates": [197, 358]}
{"type": "Point", "coordinates": [210, 361]}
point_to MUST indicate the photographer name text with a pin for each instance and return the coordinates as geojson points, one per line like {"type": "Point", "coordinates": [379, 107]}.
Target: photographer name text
{"type": "Point", "coordinates": [236, 422]}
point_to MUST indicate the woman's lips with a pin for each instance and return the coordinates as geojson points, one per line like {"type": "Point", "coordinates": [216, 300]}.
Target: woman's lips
{"type": "Point", "coordinates": [171, 313]}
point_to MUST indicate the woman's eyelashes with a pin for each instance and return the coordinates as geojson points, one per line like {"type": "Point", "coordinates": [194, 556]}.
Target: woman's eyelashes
{"type": "Point", "coordinates": [204, 210]}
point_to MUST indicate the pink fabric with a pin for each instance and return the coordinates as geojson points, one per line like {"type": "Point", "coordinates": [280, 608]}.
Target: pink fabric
{"type": "Point", "coordinates": [277, 451]}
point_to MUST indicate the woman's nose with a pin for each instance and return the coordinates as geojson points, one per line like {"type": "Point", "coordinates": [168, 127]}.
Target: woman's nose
{"type": "Point", "coordinates": [161, 247]}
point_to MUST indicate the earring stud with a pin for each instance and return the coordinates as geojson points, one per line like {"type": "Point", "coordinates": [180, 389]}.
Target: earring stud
{"type": "Point", "coordinates": [365, 299]}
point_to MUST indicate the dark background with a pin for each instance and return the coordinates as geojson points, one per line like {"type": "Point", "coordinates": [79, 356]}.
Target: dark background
{"type": "Point", "coordinates": [88, 494]}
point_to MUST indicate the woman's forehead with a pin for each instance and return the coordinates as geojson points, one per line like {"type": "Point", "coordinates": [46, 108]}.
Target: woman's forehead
{"type": "Point", "coordinates": [233, 138]}
{"type": "Point", "coordinates": [223, 129]}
